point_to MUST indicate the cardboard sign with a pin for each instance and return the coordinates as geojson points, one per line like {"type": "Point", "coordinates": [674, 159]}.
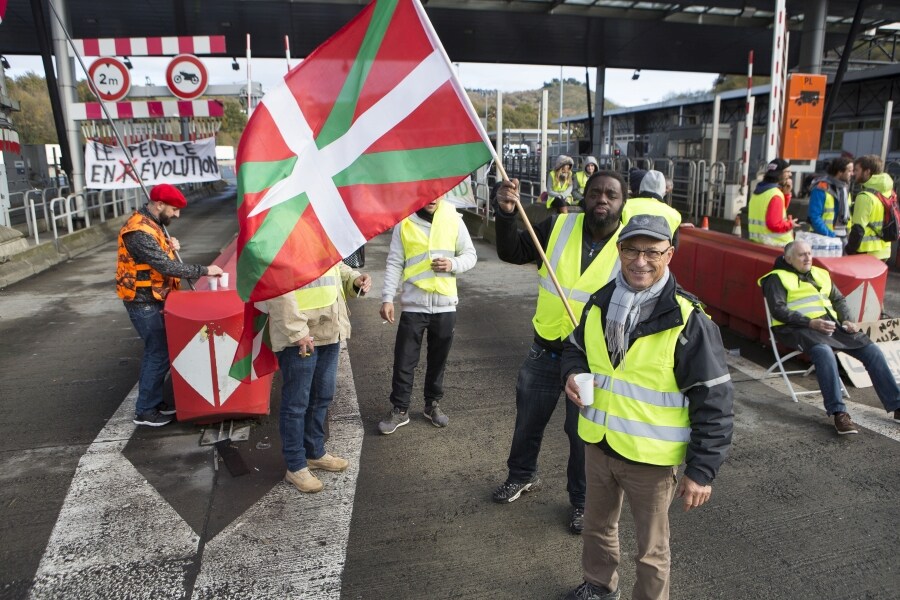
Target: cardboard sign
{"type": "Point", "coordinates": [803, 108]}
{"type": "Point", "coordinates": [155, 161]}
{"type": "Point", "coordinates": [461, 196]}
{"type": "Point", "coordinates": [857, 373]}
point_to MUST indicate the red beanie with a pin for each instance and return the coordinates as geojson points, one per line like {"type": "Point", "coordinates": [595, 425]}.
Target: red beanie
{"type": "Point", "coordinates": [168, 193]}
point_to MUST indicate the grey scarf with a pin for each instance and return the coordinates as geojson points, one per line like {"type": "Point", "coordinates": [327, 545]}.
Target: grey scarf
{"type": "Point", "coordinates": [623, 315]}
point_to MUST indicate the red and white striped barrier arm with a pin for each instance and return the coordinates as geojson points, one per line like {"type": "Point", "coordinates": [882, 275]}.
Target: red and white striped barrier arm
{"type": "Point", "coordinates": [88, 111]}
{"type": "Point", "coordinates": [9, 141]}
{"type": "Point", "coordinates": [151, 46]}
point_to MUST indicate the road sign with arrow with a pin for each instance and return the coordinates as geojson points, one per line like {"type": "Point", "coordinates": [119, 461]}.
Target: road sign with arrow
{"type": "Point", "coordinates": [804, 104]}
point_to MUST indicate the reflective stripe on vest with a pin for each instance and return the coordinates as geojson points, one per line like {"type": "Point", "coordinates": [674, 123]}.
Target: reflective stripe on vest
{"type": "Point", "coordinates": [803, 296]}
{"type": "Point", "coordinates": [638, 407]}
{"type": "Point", "coordinates": [871, 241]}
{"type": "Point", "coordinates": [828, 211]}
{"type": "Point", "coordinates": [759, 232]}
{"type": "Point", "coordinates": [320, 293]}
{"type": "Point", "coordinates": [131, 275]}
{"type": "Point", "coordinates": [651, 206]}
{"type": "Point", "coordinates": [421, 248]}
{"type": "Point", "coordinates": [581, 178]}
{"type": "Point", "coordinates": [564, 248]}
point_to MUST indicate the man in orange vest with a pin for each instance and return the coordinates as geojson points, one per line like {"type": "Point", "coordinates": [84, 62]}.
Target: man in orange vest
{"type": "Point", "coordinates": [146, 272]}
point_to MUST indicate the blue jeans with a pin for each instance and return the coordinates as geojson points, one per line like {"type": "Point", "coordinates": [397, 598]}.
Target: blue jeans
{"type": "Point", "coordinates": [537, 394]}
{"type": "Point", "coordinates": [147, 319]}
{"type": "Point", "coordinates": [830, 383]}
{"type": "Point", "coordinates": [306, 393]}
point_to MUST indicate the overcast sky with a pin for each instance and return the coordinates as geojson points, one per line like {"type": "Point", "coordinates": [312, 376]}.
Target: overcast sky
{"type": "Point", "coordinates": [652, 86]}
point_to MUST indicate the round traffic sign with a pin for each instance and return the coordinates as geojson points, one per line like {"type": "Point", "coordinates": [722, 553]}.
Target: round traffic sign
{"type": "Point", "coordinates": [109, 79]}
{"type": "Point", "coordinates": [186, 77]}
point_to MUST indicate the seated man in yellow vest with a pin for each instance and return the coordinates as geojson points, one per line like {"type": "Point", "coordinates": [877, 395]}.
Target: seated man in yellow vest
{"type": "Point", "coordinates": [662, 395]}
{"type": "Point", "coordinates": [767, 208]}
{"type": "Point", "coordinates": [306, 327]}
{"type": "Point", "coordinates": [650, 200]}
{"type": "Point", "coordinates": [868, 210]}
{"type": "Point", "coordinates": [810, 314]}
{"type": "Point", "coordinates": [428, 250]}
{"type": "Point", "coordinates": [581, 249]}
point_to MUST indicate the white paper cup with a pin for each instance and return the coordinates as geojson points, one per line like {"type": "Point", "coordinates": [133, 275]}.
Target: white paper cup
{"type": "Point", "coordinates": [213, 283]}
{"type": "Point", "coordinates": [223, 280]}
{"type": "Point", "coordinates": [585, 383]}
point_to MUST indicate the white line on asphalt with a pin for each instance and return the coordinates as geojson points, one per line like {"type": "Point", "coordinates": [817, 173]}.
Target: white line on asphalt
{"type": "Point", "coordinates": [117, 537]}
{"type": "Point", "coordinates": [867, 416]}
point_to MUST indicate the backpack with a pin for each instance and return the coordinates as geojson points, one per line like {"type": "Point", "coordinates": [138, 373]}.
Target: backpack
{"type": "Point", "coordinates": [890, 226]}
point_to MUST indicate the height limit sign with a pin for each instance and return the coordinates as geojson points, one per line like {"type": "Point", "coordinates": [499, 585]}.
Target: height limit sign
{"type": "Point", "coordinates": [109, 79]}
{"type": "Point", "coordinates": [804, 107]}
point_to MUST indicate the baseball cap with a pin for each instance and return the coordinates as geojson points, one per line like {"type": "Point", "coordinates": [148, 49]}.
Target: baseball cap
{"type": "Point", "coordinates": [652, 226]}
{"type": "Point", "coordinates": [655, 183]}
{"type": "Point", "coordinates": [776, 166]}
{"type": "Point", "coordinates": [168, 194]}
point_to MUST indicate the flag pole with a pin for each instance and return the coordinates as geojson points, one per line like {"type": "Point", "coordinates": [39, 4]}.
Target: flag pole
{"type": "Point", "coordinates": [473, 116]}
{"type": "Point", "coordinates": [112, 124]}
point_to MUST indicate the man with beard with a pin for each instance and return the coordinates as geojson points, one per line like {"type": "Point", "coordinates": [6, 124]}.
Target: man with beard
{"type": "Point", "coordinates": [146, 272]}
{"type": "Point", "coordinates": [581, 249]}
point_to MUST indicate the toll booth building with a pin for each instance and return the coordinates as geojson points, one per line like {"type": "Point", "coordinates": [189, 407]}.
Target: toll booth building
{"type": "Point", "coordinates": [675, 136]}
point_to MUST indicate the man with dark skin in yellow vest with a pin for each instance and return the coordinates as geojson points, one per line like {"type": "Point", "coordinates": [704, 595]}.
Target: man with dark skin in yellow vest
{"type": "Point", "coordinates": [581, 249]}
{"type": "Point", "coordinates": [661, 395]}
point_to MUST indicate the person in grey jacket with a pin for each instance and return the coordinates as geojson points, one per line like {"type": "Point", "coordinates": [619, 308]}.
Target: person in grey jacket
{"type": "Point", "coordinates": [428, 249]}
{"type": "Point", "coordinates": [649, 411]}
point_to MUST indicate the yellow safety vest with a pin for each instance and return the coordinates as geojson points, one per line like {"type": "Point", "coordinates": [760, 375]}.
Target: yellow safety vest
{"type": "Point", "coordinates": [551, 321]}
{"type": "Point", "coordinates": [419, 250]}
{"type": "Point", "coordinates": [828, 211]}
{"type": "Point", "coordinates": [581, 178]}
{"type": "Point", "coordinates": [559, 187]}
{"type": "Point", "coordinates": [803, 296]}
{"type": "Point", "coordinates": [651, 206]}
{"type": "Point", "coordinates": [759, 233]}
{"type": "Point", "coordinates": [872, 242]}
{"type": "Point", "coordinates": [322, 292]}
{"type": "Point", "coordinates": [637, 406]}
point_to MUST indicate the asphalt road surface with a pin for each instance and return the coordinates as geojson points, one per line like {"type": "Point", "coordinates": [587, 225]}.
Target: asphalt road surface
{"type": "Point", "coordinates": [92, 507]}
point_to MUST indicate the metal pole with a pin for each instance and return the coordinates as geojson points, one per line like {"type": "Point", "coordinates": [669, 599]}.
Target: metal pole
{"type": "Point", "coordinates": [774, 121]}
{"type": "Point", "coordinates": [886, 132]}
{"type": "Point", "coordinates": [587, 89]}
{"type": "Point", "coordinates": [66, 83]}
{"type": "Point", "coordinates": [832, 95]}
{"type": "Point", "coordinates": [545, 99]}
{"type": "Point", "coordinates": [559, 133]}
{"type": "Point", "coordinates": [500, 169]}
{"type": "Point", "coordinates": [287, 51]}
{"type": "Point", "coordinates": [249, 81]}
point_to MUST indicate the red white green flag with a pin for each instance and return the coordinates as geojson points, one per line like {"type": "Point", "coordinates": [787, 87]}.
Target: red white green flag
{"type": "Point", "coordinates": [368, 129]}
{"type": "Point", "coordinates": [254, 357]}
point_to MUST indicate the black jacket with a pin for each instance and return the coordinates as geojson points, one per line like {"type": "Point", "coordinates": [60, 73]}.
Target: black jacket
{"type": "Point", "coordinates": [795, 333]}
{"type": "Point", "coordinates": [516, 246]}
{"type": "Point", "coordinates": [700, 371]}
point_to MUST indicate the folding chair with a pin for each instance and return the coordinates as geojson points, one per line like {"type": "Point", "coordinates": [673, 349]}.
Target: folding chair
{"type": "Point", "coordinates": [780, 360]}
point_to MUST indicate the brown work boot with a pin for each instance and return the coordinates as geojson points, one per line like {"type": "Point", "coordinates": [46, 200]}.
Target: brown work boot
{"type": "Point", "coordinates": [304, 481]}
{"type": "Point", "coordinates": [897, 415]}
{"type": "Point", "coordinates": [328, 463]}
{"type": "Point", "coordinates": [843, 424]}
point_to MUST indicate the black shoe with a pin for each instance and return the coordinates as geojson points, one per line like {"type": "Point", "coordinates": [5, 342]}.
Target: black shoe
{"type": "Point", "coordinates": [165, 409]}
{"type": "Point", "coordinates": [576, 520]}
{"type": "Point", "coordinates": [152, 418]}
{"type": "Point", "coordinates": [510, 491]}
{"type": "Point", "coordinates": [588, 591]}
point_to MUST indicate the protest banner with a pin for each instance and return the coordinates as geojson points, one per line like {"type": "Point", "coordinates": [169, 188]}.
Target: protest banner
{"type": "Point", "coordinates": [886, 334]}
{"type": "Point", "coordinates": [155, 161]}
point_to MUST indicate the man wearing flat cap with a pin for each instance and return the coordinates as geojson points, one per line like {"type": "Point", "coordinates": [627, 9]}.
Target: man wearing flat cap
{"type": "Point", "coordinates": [146, 272]}
{"type": "Point", "coordinates": [662, 396]}
{"type": "Point", "coordinates": [767, 209]}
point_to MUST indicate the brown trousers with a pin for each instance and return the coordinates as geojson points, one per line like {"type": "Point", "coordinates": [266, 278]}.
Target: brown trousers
{"type": "Point", "coordinates": [650, 490]}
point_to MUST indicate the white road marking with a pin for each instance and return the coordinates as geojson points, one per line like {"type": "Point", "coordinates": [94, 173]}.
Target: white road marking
{"type": "Point", "coordinates": [117, 537]}
{"type": "Point", "coordinates": [875, 419]}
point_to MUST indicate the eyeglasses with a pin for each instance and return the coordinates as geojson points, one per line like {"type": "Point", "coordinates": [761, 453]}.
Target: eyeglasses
{"type": "Point", "coordinates": [651, 255]}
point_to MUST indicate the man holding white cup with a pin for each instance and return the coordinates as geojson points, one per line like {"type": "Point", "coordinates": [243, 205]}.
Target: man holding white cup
{"type": "Point", "coordinates": [661, 395]}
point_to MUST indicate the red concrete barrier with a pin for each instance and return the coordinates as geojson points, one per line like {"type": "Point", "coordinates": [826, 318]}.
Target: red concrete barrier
{"type": "Point", "coordinates": [203, 329]}
{"type": "Point", "coordinates": [722, 270]}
